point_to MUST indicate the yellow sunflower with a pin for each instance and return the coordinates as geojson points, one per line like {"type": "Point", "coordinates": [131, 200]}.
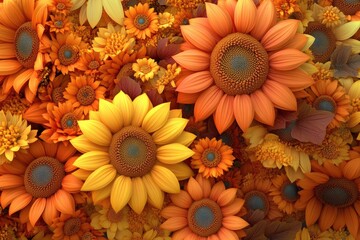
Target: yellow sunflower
{"type": "Point", "coordinates": [133, 152]}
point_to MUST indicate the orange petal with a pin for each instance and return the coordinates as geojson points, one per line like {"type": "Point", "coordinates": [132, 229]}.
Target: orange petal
{"type": "Point", "coordinates": [265, 19]}
{"type": "Point", "coordinates": [196, 82]}
{"type": "Point", "coordinates": [327, 217]}
{"type": "Point", "coordinates": [263, 107]}
{"type": "Point", "coordinates": [187, 98]}
{"type": "Point", "coordinates": [37, 149]}
{"type": "Point", "coordinates": [21, 79]}
{"type": "Point", "coordinates": [20, 202]}
{"type": "Point", "coordinates": [287, 59]}
{"type": "Point", "coordinates": [340, 219]}
{"type": "Point", "coordinates": [201, 38]}
{"type": "Point", "coordinates": [227, 234]}
{"type": "Point", "coordinates": [220, 20]}
{"type": "Point", "coordinates": [245, 16]}
{"type": "Point", "coordinates": [317, 177]}
{"type": "Point", "coordinates": [182, 199]}
{"type": "Point", "coordinates": [303, 80]}
{"type": "Point", "coordinates": [312, 212]}
{"type": "Point", "coordinates": [50, 212]}
{"type": "Point", "coordinates": [174, 223]}
{"type": "Point", "coordinates": [224, 113]}
{"type": "Point", "coordinates": [7, 50]}
{"type": "Point", "coordinates": [64, 202]}
{"type": "Point", "coordinates": [234, 223]}
{"type": "Point", "coordinates": [6, 34]}
{"type": "Point", "coordinates": [64, 152]}
{"type": "Point", "coordinates": [193, 60]}
{"type": "Point", "coordinates": [216, 190]}
{"type": "Point", "coordinates": [194, 189]}
{"type": "Point", "coordinates": [7, 196]}
{"type": "Point", "coordinates": [36, 210]}
{"type": "Point", "coordinates": [227, 197]}
{"type": "Point", "coordinates": [352, 169]}
{"type": "Point", "coordinates": [207, 102]}
{"type": "Point", "coordinates": [181, 234]}
{"type": "Point", "coordinates": [351, 220]}
{"type": "Point", "coordinates": [8, 181]}
{"type": "Point", "coordinates": [173, 211]}
{"type": "Point", "coordinates": [298, 42]}
{"type": "Point", "coordinates": [280, 34]}
{"type": "Point", "coordinates": [71, 184]}
{"type": "Point", "coordinates": [281, 96]}
{"type": "Point", "coordinates": [204, 184]}
{"type": "Point", "coordinates": [243, 111]}
{"type": "Point", "coordinates": [233, 208]}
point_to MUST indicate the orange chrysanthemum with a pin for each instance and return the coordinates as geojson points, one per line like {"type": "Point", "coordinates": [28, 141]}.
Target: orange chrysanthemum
{"type": "Point", "coordinates": [204, 212]}
{"type": "Point", "coordinates": [84, 93]}
{"type": "Point", "coordinates": [59, 23]}
{"type": "Point", "coordinates": [329, 95]}
{"type": "Point", "coordinates": [241, 41]}
{"type": "Point", "coordinates": [141, 21]}
{"type": "Point", "coordinates": [330, 196]}
{"type": "Point", "coordinates": [90, 63]}
{"type": "Point", "coordinates": [39, 184]}
{"type": "Point", "coordinates": [60, 6]}
{"type": "Point", "coordinates": [62, 122]}
{"type": "Point", "coordinates": [23, 45]}
{"type": "Point", "coordinates": [212, 157]}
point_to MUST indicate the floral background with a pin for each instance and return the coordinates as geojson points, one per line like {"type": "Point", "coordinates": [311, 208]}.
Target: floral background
{"type": "Point", "coordinates": [179, 119]}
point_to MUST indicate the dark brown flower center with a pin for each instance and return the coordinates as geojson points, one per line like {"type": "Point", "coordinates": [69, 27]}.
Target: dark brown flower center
{"type": "Point", "coordinates": [68, 55]}
{"type": "Point", "coordinates": [93, 65]}
{"type": "Point", "coordinates": [256, 200]}
{"type": "Point", "coordinates": [72, 226]}
{"type": "Point", "coordinates": [57, 95]}
{"type": "Point", "coordinates": [325, 103]}
{"type": "Point", "coordinates": [86, 95]}
{"type": "Point", "coordinates": [68, 121]}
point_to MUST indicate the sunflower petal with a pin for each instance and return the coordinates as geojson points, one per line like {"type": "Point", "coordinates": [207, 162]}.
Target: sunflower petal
{"type": "Point", "coordinates": [156, 117]}
{"type": "Point", "coordinates": [121, 192]}
{"type": "Point", "coordinates": [100, 178]}
{"type": "Point", "coordinates": [94, 12]}
{"type": "Point", "coordinates": [173, 153]}
{"type": "Point", "coordinates": [124, 103]}
{"type": "Point", "coordinates": [96, 132]}
{"type": "Point", "coordinates": [92, 160]}
{"type": "Point", "coordinates": [115, 10]}
{"type": "Point", "coordinates": [110, 115]}
{"type": "Point", "coordinates": [139, 195]}
{"type": "Point", "coordinates": [165, 179]}
{"type": "Point", "coordinates": [155, 195]}
{"type": "Point", "coordinates": [170, 131]}
{"type": "Point", "coordinates": [36, 210]}
{"type": "Point", "coordinates": [142, 104]}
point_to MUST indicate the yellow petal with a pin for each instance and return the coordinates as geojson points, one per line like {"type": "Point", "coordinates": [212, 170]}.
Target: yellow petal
{"type": "Point", "coordinates": [92, 160]}
{"type": "Point", "coordinates": [346, 30]}
{"type": "Point", "coordinates": [170, 131]}
{"type": "Point", "coordinates": [82, 144]}
{"type": "Point", "coordinates": [96, 132]}
{"type": "Point", "coordinates": [100, 178]}
{"type": "Point", "coordinates": [81, 174]}
{"type": "Point", "coordinates": [173, 153]}
{"type": "Point", "coordinates": [139, 195]}
{"type": "Point", "coordinates": [101, 194]}
{"type": "Point", "coordinates": [185, 138]}
{"type": "Point", "coordinates": [110, 115]}
{"type": "Point", "coordinates": [156, 117]}
{"type": "Point", "coordinates": [94, 115]}
{"type": "Point", "coordinates": [115, 10]}
{"type": "Point", "coordinates": [175, 113]}
{"type": "Point", "coordinates": [93, 12]}
{"type": "Point", "coordinates": [124, 103]}
{"type": "Point", "coordinates": [121, 192]}
{"type": "Point", "coordinates": [181, 170]}
{"type": "Point", "coordinates": [155, 195]}
{"type": "Point", "coordinates": [142, 104]}
{"type": "Point", "coordinates": [354, 91]}
{"type": "Point", "coordinates": [165, 179]}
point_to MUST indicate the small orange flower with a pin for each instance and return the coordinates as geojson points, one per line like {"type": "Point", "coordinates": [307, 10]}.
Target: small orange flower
{"type": "Point", "coordinates": [212, 157]}
{"type": "Point", "coordinates": [60, 6]}
{"type": "Point", "coordinates": [59, 23]}
{"type": "Point", "coordinates": [90, 62]}
{"type": "Point", "coordinates": [84, 93]}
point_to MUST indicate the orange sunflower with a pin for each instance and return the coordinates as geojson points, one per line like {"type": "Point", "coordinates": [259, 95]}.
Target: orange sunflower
{"type": "Point", "coordinates": [212, 157]}
{"type": "Point", "coordinates": [23, 45]}
{"type": "Point", "coordinates": [62, 122]}
{"type": "Point", "coordinates": [141, 21]}
{"type": "Point", "coordinates": [203, 211]}
{"type": "Point", "coordinates": [38, 183]}
{"type": "Point", "coordinates": [329, 95]}
{"type": "Point", "coordinates": [330, 195]}
{"type": "Point", "coordinates": [243, 64]}
{"type": "Point", "coordinates": [84, 93]}
{"type": "Point", "coordinates": [90, 63]}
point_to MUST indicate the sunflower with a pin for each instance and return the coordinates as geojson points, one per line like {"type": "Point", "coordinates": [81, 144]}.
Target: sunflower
{"type": "Point", "coordinates": [60, 6]}
{"type": "Point", "coordinates": [65, 52]}
{"type": "Point", "coordinates": [203, 211]}
{"type": "Point", "coordinates": [212, 157]}
{"type": "Point", "coordinates": [38, 182]}
{"type": "Point", "coordinates": [15, 134]}
{"type": "Point", "coordinates": [62, 122]}
{"type": "Point", "coordinates": [145, 69]}
{"type": "Point", "coordinates": [23, 45]}
{"type": "Point", "coordinates": [137, 150]}
{"type": "Point", "coordinates": [141, 21]}
{"type": "Point", "coordinates": [219, 55]}
{"type": "Point", "coordinates": [84, 93]}
{"type": "Point", "coordinates": [93, 10]}
{"type": "Point", "coordinates": [90, 62]}
{"type": "Point", "coordinates": [59, 23]}
{"type": "Point", "coordinates": [330, 196]}
{"type": "Point", "coordinates": [329, 95]}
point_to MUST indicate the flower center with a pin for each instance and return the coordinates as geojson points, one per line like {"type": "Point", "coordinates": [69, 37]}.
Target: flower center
{"type": "Point", "coordinates": [26, 45]}
{"type": "Point", "coordinates": [325, 103]}
{"type": "Point", "coordinates": [60, 6]}
{"type": "Point", "coordinates": [325, 41]}
{"type": "Point", "coordinates": [93, 65]}
{"type": "Point", "coordinates": [113, 216]}
{"type": "Point", "coordinates": [72, 226]}
{"type": "Point", "coordinates": [141, 21]}
{"type": "Point", "coordinates": [256, 200]}
{"type": "Point", "coordinates": [337, 192]}
{"type": "Point", "coordinates": [88, 236]}
{"type": "Point", "coordinates": [57, 95]}
{"type": "Point", "coordinates": [86, 95]}
{"type": "Point", "coordinates": [211, 158]}
{"type": "Point", "coordinates": [9, 136]}
{"type": "Point", "coordinates": [132, 152]}
{"type": "Point", "coordinates": [205, 217]}
{"type": "Point", "coordinates": [289, 192]}
{"type": "Point", "coordinates": [239, 64]}
{"type": "Point", "coordinates": [43, 177]}
{"type": "Point", "coordinates": [68, 55]}
{"type": "Point", "coordinates": [348, 7]}
{"type": "Point", "coordinates": [68, 121]}
{"type": "Point", "coordinates": [145, 69]}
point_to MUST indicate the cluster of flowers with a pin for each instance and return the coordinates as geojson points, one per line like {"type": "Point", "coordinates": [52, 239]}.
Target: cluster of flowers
{"type": "Point", "coordinates": [179, 119]}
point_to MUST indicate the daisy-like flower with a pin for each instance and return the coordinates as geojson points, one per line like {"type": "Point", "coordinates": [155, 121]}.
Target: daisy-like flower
{"type": "Point", "coordinates": [92, 10]}
{"type": "Point", "coordinates": [329, 95]}
{"type": "Point", "coordinates": [84, 92]}
{"type": "Point", "coordinates": [182, 18]}
{"type": "Point", "coordinates": [23, 45]}
{"type": "Point", "coordinates": [141, 21]}
{"type": "Point", "coordinates": [203, 211]}
{"type": "Point", "coordinates": [331, 16]}
{"type": "Point", "coordinates": [15, 134]}
{"type": "Point", "coordinates": [219, 55]}
{"type": "Point", "coordinates": [137, 150]}
{"type": "Point", "coordinates": [212, 157]}
{"type": "Point", "coordinates": [65, 52]}
{"type": "Point", "coordinates": [38, 183]}
{"type": "Point", "coordinates": [59, 23]}
{"type": "Point", "coordinates": [60, 6]}
{"type": "Point", "coordinates": [145, 69]}
{"type": "Point", "coordinates": [62, 122]}
{"type": "Point", "coordinates": [167, 76]}
{"type": "Point", "coordinates": [112, 41]}
{"type": "Point", "coordinates": [320, 203]}
{"type": "Point", "coordinates": [166, 20]}
{"type": "Point", "coordinates": [90, 62]}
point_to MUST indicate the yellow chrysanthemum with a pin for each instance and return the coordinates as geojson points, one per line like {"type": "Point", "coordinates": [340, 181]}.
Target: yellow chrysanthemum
{"type": "Point", "coordinates": [145, 69]}
{"type": "Point", "coordinates": [167, 76]}
{"type": "Point", "coordinates": [133, 152]}
{"type": "Point", "coordinates": [166, 20]}
{"type": "Point", "coordinates": [15, 134]}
